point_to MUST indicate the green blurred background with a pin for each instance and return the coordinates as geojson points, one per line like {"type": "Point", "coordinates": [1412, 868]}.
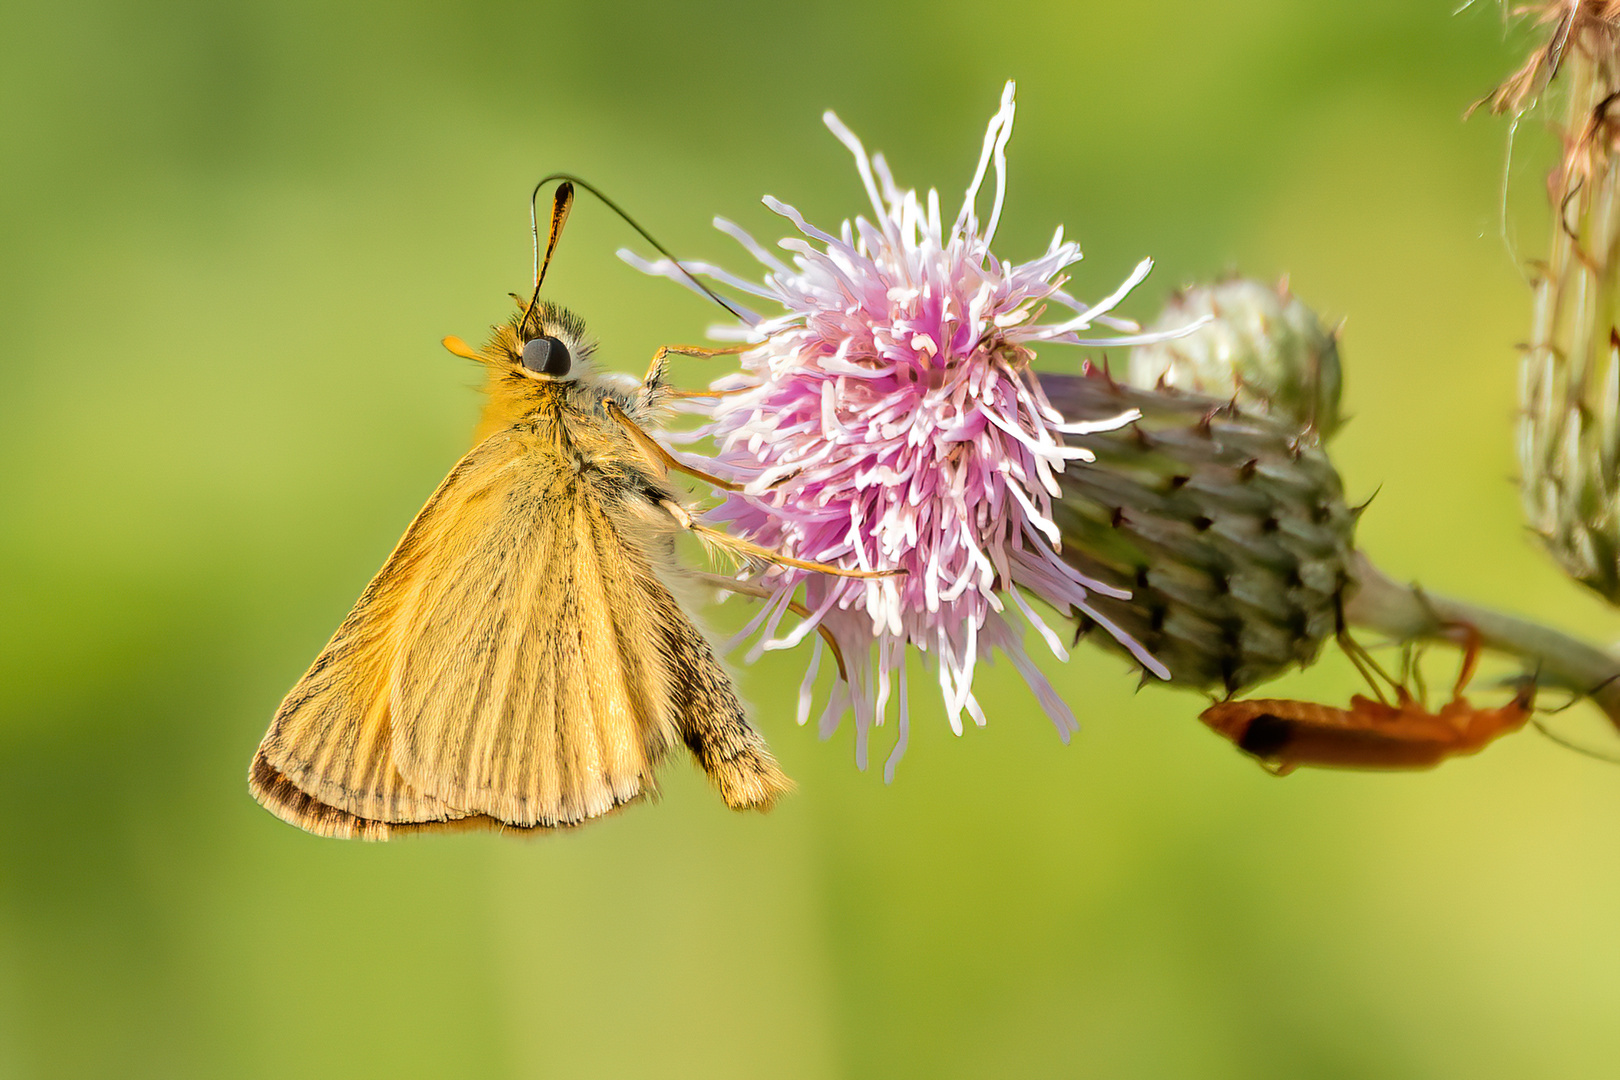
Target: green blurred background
{"type": "Point", "coordinates": [233, 235]}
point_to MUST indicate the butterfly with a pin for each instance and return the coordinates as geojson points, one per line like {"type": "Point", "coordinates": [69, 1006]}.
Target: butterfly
{"type": "Point", "coordinates": [525, 658]}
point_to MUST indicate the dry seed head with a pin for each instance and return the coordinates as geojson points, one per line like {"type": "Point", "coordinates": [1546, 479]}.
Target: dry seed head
{"type": "Point", "coordinates": [1586, 26]}
{"type": "Point", "coordinates": [1569, 437]}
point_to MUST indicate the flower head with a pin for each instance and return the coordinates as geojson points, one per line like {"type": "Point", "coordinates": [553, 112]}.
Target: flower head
{"type": "Point", "coordinates": [888, 418]}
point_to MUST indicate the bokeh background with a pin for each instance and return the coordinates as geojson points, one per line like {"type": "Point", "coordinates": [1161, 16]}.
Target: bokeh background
{"type": "Point", "coordinates": [233, 235]}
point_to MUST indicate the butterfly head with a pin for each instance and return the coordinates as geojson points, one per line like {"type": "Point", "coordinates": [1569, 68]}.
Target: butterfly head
{"type": "Point", "coordinates": [546, 343]}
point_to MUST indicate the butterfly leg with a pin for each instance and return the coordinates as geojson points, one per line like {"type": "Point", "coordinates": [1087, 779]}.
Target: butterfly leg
{"type": "Point", "coordinates": [751, 552]}
{"type": "Point", "coordinates": [653, 385]}
{"type": "Point", "coordinates": [655, 452]}
{"type": "Point", "coordinates": [749, 588]}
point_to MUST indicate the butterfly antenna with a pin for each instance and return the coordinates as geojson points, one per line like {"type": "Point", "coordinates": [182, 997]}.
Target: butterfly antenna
{"type": "Point", "coordinates": [562, 201]}
{"type": "Point", "coordinates": [559, 213]}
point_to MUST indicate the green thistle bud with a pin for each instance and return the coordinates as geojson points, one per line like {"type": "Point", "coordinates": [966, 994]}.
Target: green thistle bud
{"type": "Point", "coordinates": [1229, 530]}
{"type": "Point", "coordinates": [1260, 347]}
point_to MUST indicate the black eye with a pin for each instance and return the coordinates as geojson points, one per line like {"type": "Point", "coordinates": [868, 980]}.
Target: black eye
{"type": "Point", "coordinates": [547, 356]}
{"type": "Point", "coordinates": [1266, 735]}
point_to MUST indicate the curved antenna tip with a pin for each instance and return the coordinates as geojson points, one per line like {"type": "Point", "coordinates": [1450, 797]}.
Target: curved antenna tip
{"type": "Point", "coordinates": [563, 201]}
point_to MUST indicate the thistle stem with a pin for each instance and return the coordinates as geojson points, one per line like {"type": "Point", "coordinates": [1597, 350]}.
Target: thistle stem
{"type": "Point", "coordinates": [1410, 613]}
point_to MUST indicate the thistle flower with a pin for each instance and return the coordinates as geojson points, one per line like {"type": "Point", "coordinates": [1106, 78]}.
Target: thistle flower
{"type": "Point", "coordinates": [888, 417]}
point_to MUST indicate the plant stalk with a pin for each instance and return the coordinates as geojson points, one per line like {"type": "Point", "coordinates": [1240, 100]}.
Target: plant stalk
{"type": "Point", "coordinates": [1410, 613]}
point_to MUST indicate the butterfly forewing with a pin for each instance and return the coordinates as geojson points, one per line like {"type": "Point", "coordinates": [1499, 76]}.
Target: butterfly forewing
{"type": "Point", "coordinates": [329, 750]}
{"type": "Point", "coordinates": [527, 688]}
{"type": "Point", "coordinates": [518, 661]}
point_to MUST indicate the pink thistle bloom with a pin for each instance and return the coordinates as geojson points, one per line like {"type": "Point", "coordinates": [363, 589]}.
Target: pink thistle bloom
{"type": "Point", "coordinates": [889, 418]}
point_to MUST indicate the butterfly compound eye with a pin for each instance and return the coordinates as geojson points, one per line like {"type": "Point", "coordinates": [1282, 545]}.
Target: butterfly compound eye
{"type": "Point", "coordinates": [546, 356]}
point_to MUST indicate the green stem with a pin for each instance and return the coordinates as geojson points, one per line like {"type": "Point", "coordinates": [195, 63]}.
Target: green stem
{"type": "Point", "coordinates": [1409, 613]}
